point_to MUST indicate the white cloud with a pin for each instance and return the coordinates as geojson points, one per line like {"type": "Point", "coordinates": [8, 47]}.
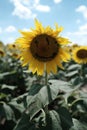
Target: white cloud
{"type": "Point", "coordinates": [83, 10]}
{"type": "Point", "coordinates": [23, 12]}
{"type": "Point", "coordinates": [83, 28]}
{"type": "Point", "coordinates": [10, 29]}
{"type": "Point", "coordinates": [43, 8]}
{"type": "Point", "coordinates": [25, 8]}
{"type": "Point", "coordinates": [57, 1]}
{"type": "Point", "coordinates": [79, 36]}
{"type": "Point", "coordinates": [26, 29]}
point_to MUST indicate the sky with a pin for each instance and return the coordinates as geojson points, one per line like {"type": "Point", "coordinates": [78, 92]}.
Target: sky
{"type": "Point", "coordinates": [20, 14]}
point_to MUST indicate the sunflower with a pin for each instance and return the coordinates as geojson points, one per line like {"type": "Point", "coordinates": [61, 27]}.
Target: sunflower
{"type": "Point", "coordinates": [41, 47]}
{"type": "Point", "coordinates": [75, 45]}
{"type": "Point", "coordinates": [79, 55]}
{"type": "Point", "coordinates": [15, 55]}
{"type": "Point", "coordinates": [12, 47]}
{"type": "Point", "coordinates": [2, 53]}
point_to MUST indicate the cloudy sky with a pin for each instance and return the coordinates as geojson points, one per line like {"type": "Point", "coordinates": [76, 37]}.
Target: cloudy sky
{"type": "Point", "coordinates": [20, 14]}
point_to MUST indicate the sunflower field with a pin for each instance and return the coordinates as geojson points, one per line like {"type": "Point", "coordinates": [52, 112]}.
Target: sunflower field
{"type": "Point", "coordinates": [43, 82]}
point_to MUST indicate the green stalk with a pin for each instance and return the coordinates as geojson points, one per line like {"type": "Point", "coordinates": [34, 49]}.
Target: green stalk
{"type": "Point", "coordinates": [46, 84]}
{"type": "Point", "coordinates": [46, 77]}
{"type": "Point", "coordinates": [48, 88]}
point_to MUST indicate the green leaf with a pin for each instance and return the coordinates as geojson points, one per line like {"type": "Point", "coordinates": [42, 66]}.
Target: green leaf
{"type": "Point", "coordinates": [24, 123]}
{"type": "Point", "coordinates": [57, 85]}
{"type": "Point", "coordinates": [2, 95]}
{"type": "Point", "coordinates": [40, 100]}
{"type": "Point", "coordinates": [4, 86]}
{"type": "Point", "coordinates": [52, 121]}
{"type": "Point", "coordinates": [79, 105]}
{"type": "Point", "coordinates": [78, 125]}
{"type": "Point", "coordinates": [66, 119]}
{"type": "Point", "coordinates": [83, 118]}
{"type": "Point", "coordinates": [85, 70]}
{"type": "Point", "coordinates": [34, 89]}
{"type": "Point", "coordinates": [83, 94]}
{"type": "Point", "coordinates": [73, 67]}
{"type": "Point", "coordinates": [72, 73]}
{"type": "Point", "coordinates": [40, 118]}
{"type": "Point", "coordinates": [5, 74]}
{"type": "Point", "coordinates": [17, 106]}
{"type": "Point", "coordinates": [76, 81]}
{"type": "Point", "coordinates": [6, 111]}
{"type": "Point", "coordinates": [56, 124]}
{"type": "Point", "coordinates": [34, 106]}
{"type": "Point", "coordinates": [44, 97]}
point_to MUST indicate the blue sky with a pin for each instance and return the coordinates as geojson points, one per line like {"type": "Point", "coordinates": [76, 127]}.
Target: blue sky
{"type": "Point", "coordinates": [20, 14]}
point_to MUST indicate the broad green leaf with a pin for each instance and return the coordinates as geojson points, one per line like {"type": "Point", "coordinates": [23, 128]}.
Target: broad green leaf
{"type": "Point", "coordinates": [30, 80]}
{"type": "Point", "coordinates": [56, 124]}
{"type": "Point", "coordinates": [52, 121]}
{"type": "Point", "coordinates": [78, 125]}
{"type": "Point", "coordinates": [84, 70]}
{"type": "Point", "coordinates": [72, 73]}
{"type": "Point", "coordinates": [77, 80]}
{"type": "Point", "coordinates": [83, 94]}
{"type": "Point", "coordinates": [73, 67]}
{"type": "Point", "coordinates": [79, 105]}
{"type": "Point", "coordinates": [2, 95]}
{"type": "Point", "coordinates": [6, 111]}
{"type": "Point", "coordinates": [5, 74]}
{"type": "Point", "coordinates": [66, 119]}
{"type": "Point", "coordinates": [34, 89]}
{"type": "Point", "coordinates": [24, 123]}
{"type": "Point", "coordinates": [40, 100]}
{"type": "Point", "coordinates": [57, 85]}
{"type": "Point", "coordinates": [17, 106]}
{"type": "Point", "coordinates": [7, 125]}
{"type": "Point", "coordinates": [40, 118]}
{"type": "Point", "coordinates": [4, 86]}
{"type": "Point", "coordinates": [83, 118]}
{"type": "Point", "coordinates": [34, 106]}
{"type": "Point", "coordinates": [46, 95]}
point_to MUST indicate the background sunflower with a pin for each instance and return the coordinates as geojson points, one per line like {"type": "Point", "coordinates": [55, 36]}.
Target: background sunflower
{"type": "Point", "coordinates": [79, 55]}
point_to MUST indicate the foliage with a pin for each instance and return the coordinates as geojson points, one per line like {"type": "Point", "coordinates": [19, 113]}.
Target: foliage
{"type": "Point", "coordinates": [27, 103]}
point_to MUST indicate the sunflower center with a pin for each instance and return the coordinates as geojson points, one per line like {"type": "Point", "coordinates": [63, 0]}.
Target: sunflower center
{"type": "Point", "coordinates": [82, 53]}
{"type": "Point", "coordinates": [44, 47]}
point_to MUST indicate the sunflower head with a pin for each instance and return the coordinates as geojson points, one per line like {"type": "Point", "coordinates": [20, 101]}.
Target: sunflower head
{"type": "Point", "coordinates": [2, 53]}
{"type": "Point", "coordinates": [79, 55]}
{"type": "Point", "coordinates": [15, 55]}
{"type": "Point", "coordinates": [11, 47]}
{"type": "Point", "coordinates": [75, 45]}
{"type": "Point", "coordinates": [43, 45]}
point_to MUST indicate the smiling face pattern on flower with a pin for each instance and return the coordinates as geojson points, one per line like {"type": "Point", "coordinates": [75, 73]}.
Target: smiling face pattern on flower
{"type": "Point", "coordinates": [44, 47]}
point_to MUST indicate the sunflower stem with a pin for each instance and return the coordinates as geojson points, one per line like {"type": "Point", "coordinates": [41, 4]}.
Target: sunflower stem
{"type": "Point", "coordinates": [46, 76]}
{"type": "Point", "coordinates": [48, 89]}
{"type": "Point", "coordinates": [46, 84]}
